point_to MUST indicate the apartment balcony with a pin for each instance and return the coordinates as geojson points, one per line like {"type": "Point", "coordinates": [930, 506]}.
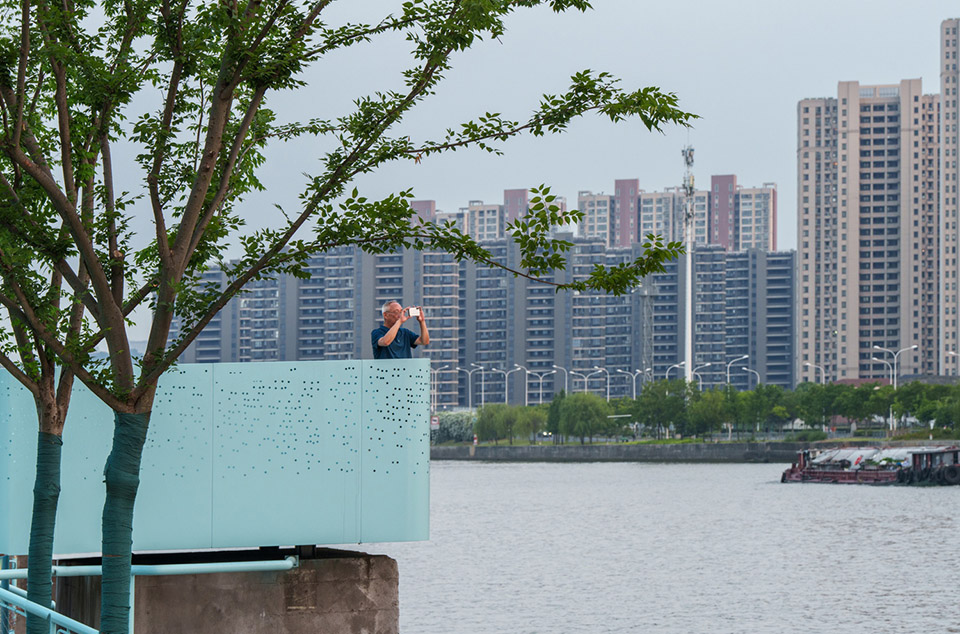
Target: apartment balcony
{"type": "Point", "coordinates": [240, 456]}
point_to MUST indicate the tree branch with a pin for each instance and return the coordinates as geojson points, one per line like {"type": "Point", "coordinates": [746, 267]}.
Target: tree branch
{"type": "Point", "coordinates": [227, 170]}
{"type": "Point", "coordinates": [116, 257]}
{"type": "Point", "coordinates": [22, 69]}
{"type": "Point", "coordinates": [25, 314]}
{"type": "Point", "coordinates": [18, 374]}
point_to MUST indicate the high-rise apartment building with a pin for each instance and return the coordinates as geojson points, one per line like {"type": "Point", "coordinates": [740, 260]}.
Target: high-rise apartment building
{"type": "Point", "coordinates": [949, 361]}
{"type": "Point", "coordinates": [598, 212]}
{"type": "Point", "coordinates": [723, 189]}
{"type": "Point", "coordinates": [867, 230]}
{"type": "Point", "coordinates": [485, 222]}
{"type": "Point", "coordinates": [625, 229]}
{"type": "Point", "coordinates": [755, 219]}
{"type": "Point", "coordinates": [736, 218]}
{"type": "Point", "coordinates": [743, 305]}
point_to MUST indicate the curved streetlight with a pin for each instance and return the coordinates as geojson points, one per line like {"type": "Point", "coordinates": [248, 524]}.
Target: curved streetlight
{"type": "Point", "coordinates": [700, 380]}
{"type": "Point", "coordinates": [506, 382]}
{"type": "Point", "coordinates": [888, 364]}
{"type": "Point", "coordinates": [480, 367]}
{"type": "Point", "coordinates": [469, 385]}
{"type": "Point", "coordinates": [526, 383]}
{"type": "Point", "coordinates": [896, 375]}
{"type": "Point", "coordinates": [599, 369]}
{"type": "Point", "coordinates": [587, 378]}
{"type": "Point", "coordinates": [746, 356]}
{"type": "Point", "coordinates": [540, 376]}
{"type": "Point", "coordinates": [823, 374]}
{"type": "Point", "coordinates": [896, 356]}
{"type": "Point", "coordinates": [633, 380]}
{"type": "Point", "coordinates": [666, 375]}
{"type": "Point", "coordinates": [433, 381]}
{"type": "Point", "coordinates": [566, 387]}
{"type": "Point", "coordinates": [583, 376]}
{"type": "Point", "coordinates": [754, 371]}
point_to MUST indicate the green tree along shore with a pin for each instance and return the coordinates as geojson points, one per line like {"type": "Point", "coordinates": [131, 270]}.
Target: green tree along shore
{"type": "Point", "coordinates": [679, 410]}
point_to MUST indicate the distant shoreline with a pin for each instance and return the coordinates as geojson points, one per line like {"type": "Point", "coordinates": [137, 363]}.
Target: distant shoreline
{"type": "Point", "coordinates": [746, 452]}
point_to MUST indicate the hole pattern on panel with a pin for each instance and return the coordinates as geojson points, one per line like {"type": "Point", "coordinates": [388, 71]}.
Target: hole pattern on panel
{"type": "Point", "coordinates": [287, 421]}
{"type": "Point", "coordinates": [394, 400]}
{"type": "Point", "coordinates": [178, 443]}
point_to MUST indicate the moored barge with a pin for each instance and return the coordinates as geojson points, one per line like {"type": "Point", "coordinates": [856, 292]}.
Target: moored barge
{"type": "Point", "coordinates": [923, 466]}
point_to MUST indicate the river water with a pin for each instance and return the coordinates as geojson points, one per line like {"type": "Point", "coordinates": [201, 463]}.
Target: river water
{"type": "Point", "coordinates": [663, 548]}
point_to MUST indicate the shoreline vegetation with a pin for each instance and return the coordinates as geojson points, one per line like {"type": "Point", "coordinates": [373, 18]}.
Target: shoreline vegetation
{"type": "Point", "coordinates": [686, 450]}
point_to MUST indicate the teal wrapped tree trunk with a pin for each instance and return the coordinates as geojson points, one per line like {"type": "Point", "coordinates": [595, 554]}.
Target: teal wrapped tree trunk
{"type": "Point", "coordinates": [122, 477]}
{"type": "Point", "coordinates": [46, 495]}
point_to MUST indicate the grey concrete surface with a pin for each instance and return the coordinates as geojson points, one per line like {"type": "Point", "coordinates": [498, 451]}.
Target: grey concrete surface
{"type": "Point", "coordinates": [338, 592]}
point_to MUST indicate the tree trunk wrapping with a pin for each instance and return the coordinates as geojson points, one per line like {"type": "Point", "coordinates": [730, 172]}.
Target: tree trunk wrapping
{"type": "Point", "coordinates": [122, 477]}
{"type": "Point", "coordinates": [46, 495]}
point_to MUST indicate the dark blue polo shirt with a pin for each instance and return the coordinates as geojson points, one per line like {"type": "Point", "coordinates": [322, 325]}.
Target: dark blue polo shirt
{"type": "Point", "coordinates": [401, 348]}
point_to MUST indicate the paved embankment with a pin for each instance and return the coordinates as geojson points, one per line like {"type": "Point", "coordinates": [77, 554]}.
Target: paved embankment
{"type": "Point", "coordinates": [781, 452]}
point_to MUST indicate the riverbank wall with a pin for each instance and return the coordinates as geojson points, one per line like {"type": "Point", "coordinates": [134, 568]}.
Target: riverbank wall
{"type": "Point", "coordinates": [762, 452]}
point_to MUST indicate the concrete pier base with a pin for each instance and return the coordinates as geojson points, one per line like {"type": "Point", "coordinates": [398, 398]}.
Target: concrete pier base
{"type": "Point", "coordinates": [331, 591]}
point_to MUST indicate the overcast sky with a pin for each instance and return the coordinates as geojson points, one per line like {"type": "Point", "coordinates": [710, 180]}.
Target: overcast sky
{"type": "Point", "coordinates": [741, 66]}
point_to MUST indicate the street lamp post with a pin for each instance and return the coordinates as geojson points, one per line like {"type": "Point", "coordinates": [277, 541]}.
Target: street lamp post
{"type": "Point", "coordinates": [896, 356]}
{"type": "Point", "coordinates": [583, 376]}
{"type": "Point", "coordinates": [599, 369]}
{"type": "Point", "coordinates": [469, 385]}
{"type": "Point", "coordinates": [700, 381]}
{"type": "Point", "coordinates": [587, 378]}
{"type": "Point", "coordinates": [754, 371]}
{"type": "Point", "coordinates": [506, 382]}
{"type": "Point", "coordinates": [526, 383]}
{"type": "Point", "coordinates": [888, 364]}
{"type": "Point", "coordinates": [633, 380]}
{"type": "Point", "coordinates": [433, 380]}
{"type": "Point", "coordinates": [540, 376]}
{"type": "Point", "coordinates": [823, 375]}
{"type": "Point", "coordinates": [566, 387]}
{"type": "Point", "coordinates": [480, 367]}
{"type": "Point", "coordinates": [666, 375]}
{"type": "Point", "coordinates": [746, 356]}
{"type": "Point", "coordinates": [896, 374]}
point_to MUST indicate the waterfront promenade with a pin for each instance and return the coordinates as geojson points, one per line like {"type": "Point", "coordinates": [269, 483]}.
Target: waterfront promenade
{"type": "Point", "coordinates": [745, 452]}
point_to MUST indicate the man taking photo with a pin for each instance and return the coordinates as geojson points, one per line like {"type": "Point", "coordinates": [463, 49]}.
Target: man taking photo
{"type": "Point", "coordinates": [391, 341]}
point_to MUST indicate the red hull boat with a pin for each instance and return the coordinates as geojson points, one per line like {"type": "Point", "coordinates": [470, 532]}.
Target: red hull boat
{"type": "Point", "coordinates": [873, 465]}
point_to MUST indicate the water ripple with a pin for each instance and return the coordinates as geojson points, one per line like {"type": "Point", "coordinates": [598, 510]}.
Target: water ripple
{"type": "Point", "coordinates": [625, 547]}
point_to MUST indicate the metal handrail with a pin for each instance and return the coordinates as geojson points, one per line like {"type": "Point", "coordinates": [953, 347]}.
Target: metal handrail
{"type": "Point", "coordinates": [58, 622]}
{"type": "Point", "coordinates": [287, 563]}
{"type": "Point", "coordinates": [23, 593]}
{"type": "Point", "coordinates": [55, 618]}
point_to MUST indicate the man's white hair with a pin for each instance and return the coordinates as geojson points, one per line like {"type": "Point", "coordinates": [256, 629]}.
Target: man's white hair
{"type": "Point", "coordinates": [386, 307]}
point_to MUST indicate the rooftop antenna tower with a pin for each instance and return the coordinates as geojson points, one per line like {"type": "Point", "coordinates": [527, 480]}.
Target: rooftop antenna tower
{"type": "Point", "coordinates": [688, 241]}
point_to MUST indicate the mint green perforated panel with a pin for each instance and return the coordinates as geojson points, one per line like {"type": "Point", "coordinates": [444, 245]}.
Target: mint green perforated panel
{"type": "Point", "coordinates": [242, 455]}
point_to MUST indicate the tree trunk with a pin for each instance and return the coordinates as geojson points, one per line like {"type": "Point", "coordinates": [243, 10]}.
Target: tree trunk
{"type": "Point", "coordinates": [46, 495]}
{"type": "Point", "coordinates": [122, 477]}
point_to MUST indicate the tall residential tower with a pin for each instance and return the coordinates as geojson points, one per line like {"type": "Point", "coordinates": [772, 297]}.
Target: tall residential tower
{"type": "Point", "coordinates": [867, 231]}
